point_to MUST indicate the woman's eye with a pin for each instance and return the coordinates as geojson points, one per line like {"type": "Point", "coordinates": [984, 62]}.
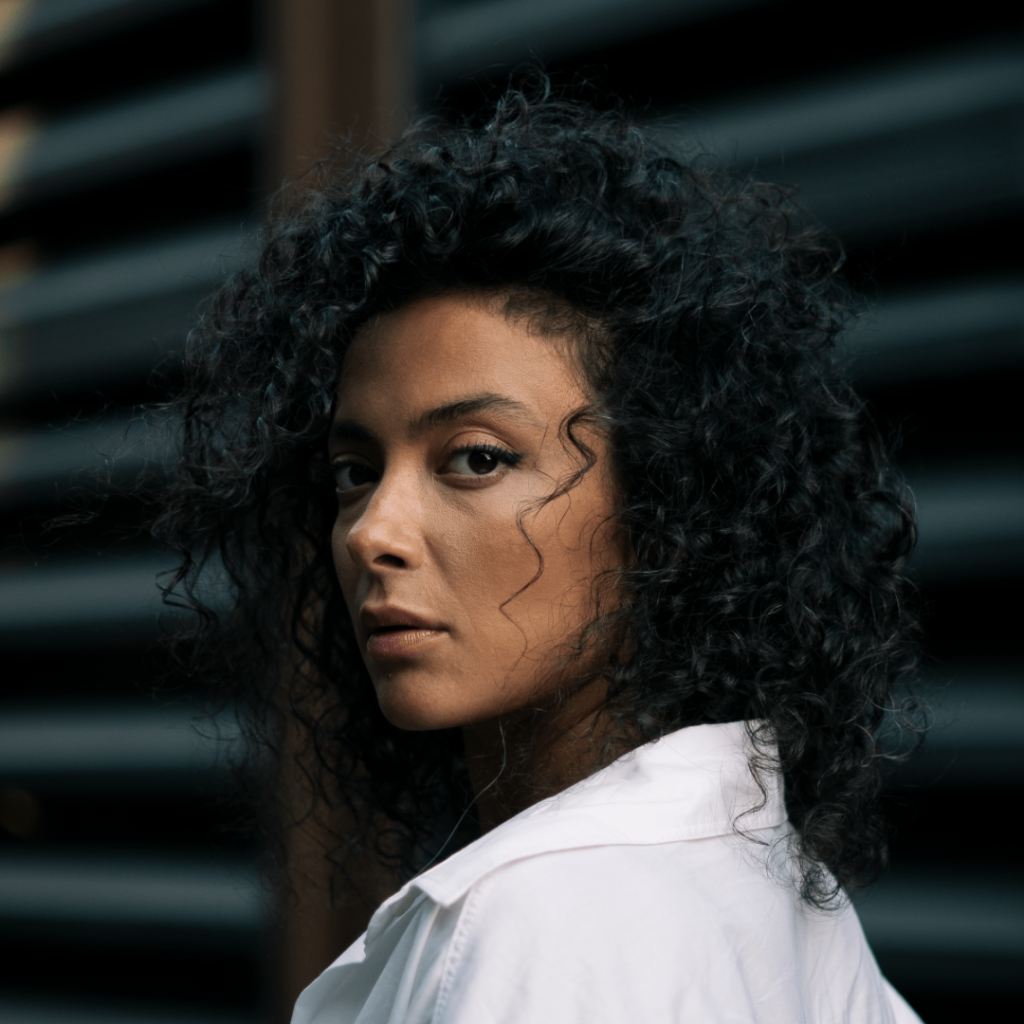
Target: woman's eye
{"type": "Point", "coordinates": [480, 461]}
{"type": "Point", "coordinates": [350, 475]}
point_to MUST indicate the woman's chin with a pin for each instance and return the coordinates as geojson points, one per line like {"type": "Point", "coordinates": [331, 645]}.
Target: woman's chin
{"type": "Point", "coordinates": [407, 704]}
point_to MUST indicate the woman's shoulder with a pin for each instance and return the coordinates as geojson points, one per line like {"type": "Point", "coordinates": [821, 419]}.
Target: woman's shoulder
{"type": "Point", "coordinates": [668, 932]}
{"type": "Point", "coordinates": [696, 930]}
{"type": "Point", "coordinates": [644, 894]}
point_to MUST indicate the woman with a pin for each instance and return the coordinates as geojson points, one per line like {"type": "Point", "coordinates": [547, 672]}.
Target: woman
{"type": "Point", "coordinates": [556, 534]}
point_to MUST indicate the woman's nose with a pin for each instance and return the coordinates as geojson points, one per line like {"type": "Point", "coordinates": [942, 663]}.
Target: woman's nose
{"type": "Point", "coordinates": [388, 533]}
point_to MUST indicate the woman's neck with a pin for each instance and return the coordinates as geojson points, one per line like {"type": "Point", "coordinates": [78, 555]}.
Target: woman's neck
{"type": "Point", "coordinates": [517, 761]}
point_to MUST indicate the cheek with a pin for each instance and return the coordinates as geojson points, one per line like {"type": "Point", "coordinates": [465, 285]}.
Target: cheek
{"type": "Point", "coordinates": [484, 560]}
{"type": "Point", "coordinates": [343, 565]}
{"type": "Point", "coordinates": [528, 596]}
{"type": "Point", "coordinates": [579, 542]}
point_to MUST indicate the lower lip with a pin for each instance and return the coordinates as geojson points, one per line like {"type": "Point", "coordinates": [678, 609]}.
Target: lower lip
{"type": "Point", "coordinates": [401, 643]}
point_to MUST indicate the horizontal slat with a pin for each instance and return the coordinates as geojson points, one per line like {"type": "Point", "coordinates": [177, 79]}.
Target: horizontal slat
{"type": "Point", "coordinates": [468, 36]}
{"type": "Point", "coordinates": [934, 141]}
{"type": "Point", "coordinates": [105, 600]}
{"type": "Point", "coordinates": [976, 736]}
{"type": "Point", "coordinates": [45, 28]}
{"type": "Point", "coordinates": [98, 741]}
{"type": "Point", "coordinates": [170, 127]}
{"type": "Point", "coordinates": [856, 108]}
{"type": "Point", "coordinates": [15, 1010]}
{"type": "Point", "coordinates": [96, 350]}
{"type": "Point", "coordinates": [947, 931]}
{"type": "Point", "coordinates": [971, 524]}
{"type": "Point", "coordinates": [933, 913]}
{"type": "Point", "coordinates": [938, 179]}
{"type": "Point", "coordinates": [126, 275]}
{"type": "Point", "coordinates": [36, 465]}
{"type": "Point", "coordinates": [980, 710]}
{"type": "Point", "coordinates": [127, 891]}
{"type": "Point", "coordinates": [111, 316]}
{"type": "Point", "coordinates": [966, 327]}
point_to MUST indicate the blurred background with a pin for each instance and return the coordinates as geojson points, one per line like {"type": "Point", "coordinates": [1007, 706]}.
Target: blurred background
{"type": "Point", "coordinates": [139, 141]}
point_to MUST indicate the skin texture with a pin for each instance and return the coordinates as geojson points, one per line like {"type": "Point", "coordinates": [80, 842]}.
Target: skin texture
{"type": "Point", "coordinates": [429, 538]}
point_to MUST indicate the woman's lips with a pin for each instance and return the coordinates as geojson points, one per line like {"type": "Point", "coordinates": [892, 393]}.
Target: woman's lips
{"type": "Point", "coordinates": [401, 643]}
{"type": "Point", "coordinates": [394, 632]}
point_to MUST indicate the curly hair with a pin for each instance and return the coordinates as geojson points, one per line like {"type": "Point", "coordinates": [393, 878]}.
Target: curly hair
{"type": "Point", "coordinates": [769, 526]}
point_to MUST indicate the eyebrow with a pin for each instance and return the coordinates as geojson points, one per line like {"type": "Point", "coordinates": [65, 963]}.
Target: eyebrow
{"type": "Point", "coordinates": [452, 411]}
{"type": "Point", "coordinates": [353, 430]}
{"type": "Point", "coordinates": [350, 430]}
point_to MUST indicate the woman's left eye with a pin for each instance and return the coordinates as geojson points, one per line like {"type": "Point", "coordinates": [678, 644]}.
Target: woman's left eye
{"type": "Point", "coordinates": [480, 460]}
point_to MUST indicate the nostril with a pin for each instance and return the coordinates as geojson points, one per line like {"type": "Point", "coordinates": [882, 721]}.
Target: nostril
{"type": "Point", "coordinates": [391, 560]}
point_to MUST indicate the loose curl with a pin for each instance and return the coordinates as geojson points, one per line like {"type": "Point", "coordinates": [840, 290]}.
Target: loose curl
{"type": "Point", "coordinates": [769, 527]}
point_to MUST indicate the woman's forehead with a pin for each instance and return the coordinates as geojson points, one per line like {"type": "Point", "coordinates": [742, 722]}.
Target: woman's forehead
{"type": "Point", "coordinates": [438, 350]}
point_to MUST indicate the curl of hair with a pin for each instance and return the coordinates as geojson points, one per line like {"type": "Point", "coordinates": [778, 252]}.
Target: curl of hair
{"type": "Point", "coordinates": [769, 526]}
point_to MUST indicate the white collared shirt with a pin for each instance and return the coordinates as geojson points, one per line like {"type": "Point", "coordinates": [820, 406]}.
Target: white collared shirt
{"type": "Point", "coordinates": [630, 898]}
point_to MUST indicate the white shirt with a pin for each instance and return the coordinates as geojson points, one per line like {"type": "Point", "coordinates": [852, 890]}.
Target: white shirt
{"type": "Point", "coordinates": [630, 898]}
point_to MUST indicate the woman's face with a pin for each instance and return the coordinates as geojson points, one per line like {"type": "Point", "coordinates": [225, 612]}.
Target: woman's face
{"type": "Point", "coordinates": [444, 446]}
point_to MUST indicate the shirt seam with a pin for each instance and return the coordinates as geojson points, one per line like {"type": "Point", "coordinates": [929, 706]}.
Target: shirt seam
{"type": "Point", "coordinates": [457, 946]}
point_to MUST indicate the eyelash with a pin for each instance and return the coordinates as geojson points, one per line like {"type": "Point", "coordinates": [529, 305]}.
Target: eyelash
{"type": "Point", "coordinates": [503, 455]}
{"type": "Point", "coordinates": [335, 470]}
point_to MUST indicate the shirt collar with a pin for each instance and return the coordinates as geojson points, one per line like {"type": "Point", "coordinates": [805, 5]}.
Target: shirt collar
{"type": "Point", "coordinates": [691, 784]}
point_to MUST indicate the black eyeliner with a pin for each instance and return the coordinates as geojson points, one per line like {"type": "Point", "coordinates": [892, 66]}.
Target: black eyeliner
{"type": "Point", "coordinates": [501, 454]}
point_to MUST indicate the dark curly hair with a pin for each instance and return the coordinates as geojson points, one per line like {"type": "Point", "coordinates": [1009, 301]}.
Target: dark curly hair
{"type": "Point", "coordinates": [769, 526]}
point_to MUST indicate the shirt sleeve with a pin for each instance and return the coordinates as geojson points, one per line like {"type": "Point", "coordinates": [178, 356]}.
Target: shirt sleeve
{"type": "Point", "coordinates": [395, 982]}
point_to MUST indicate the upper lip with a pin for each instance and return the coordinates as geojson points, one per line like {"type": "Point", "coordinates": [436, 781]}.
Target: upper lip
{"type": "Point", "coordinates": [389, 617]}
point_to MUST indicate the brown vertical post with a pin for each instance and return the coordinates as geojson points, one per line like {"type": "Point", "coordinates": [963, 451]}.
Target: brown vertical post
{"type": "Point", "coordinates": [343, 71]}
{"type": "Point", "coordinates": [311, 931]}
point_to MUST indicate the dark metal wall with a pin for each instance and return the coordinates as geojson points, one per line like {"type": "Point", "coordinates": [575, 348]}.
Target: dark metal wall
{"type": "Point", "coordinates": [131, 161]}
{"type": "Point", "coordinates": [135, 149]}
